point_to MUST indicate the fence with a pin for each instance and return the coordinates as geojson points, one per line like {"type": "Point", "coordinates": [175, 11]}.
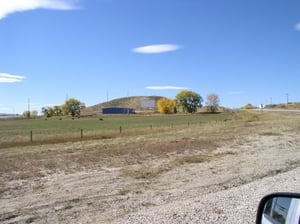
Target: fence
{"type": "Point", "coordinates": [44, 137]}
{"type": "Point", "coordinates": [65, 129]}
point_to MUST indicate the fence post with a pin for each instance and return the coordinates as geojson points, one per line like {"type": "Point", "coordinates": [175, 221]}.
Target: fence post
{"type": "Point", "coordinates": [151, 126]}
{"type": "Point", "coordinates": [31, 136]}
{"type": "Point", "coordinates": [120, 129]}
{"type": "Point", "coordinates": [81, 133]}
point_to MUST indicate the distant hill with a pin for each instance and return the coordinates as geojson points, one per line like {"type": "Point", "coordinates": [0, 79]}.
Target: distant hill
{"type": "Point", "coordinates": [128, 102]}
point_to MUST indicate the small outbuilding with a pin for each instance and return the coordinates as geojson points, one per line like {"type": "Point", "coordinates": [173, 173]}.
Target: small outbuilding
{"type": "Point", "coordinates": [118, 110]}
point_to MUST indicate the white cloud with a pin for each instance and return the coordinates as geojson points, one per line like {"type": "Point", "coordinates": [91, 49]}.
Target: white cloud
{"type": "Point", "coordinates": [10, 78]}
{"type": "Point", "coordinates": [297, 26]}
{"type": "Point", "coordinates": [165, 87]}
{"type": "Point", "coordinates": [11, 6]}
{"type": "Point", "coordinates": [156, 49]}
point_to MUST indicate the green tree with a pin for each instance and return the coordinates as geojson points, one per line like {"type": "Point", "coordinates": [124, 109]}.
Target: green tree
{"type": "Point", "coordinates": [165, 105]}
{"type": "Point", "coordinates": [212, 102]}
{"type": "Point", "coordinates": [30, 114]}
{"type": "Point", "coordinates": [72, 106]}
{"type": "Point", "coordinates": [57, 110]}
{"type": "Point", "coordinates": [189, 101]}
{"type": "Point", "coordinates": [47, 111]}
{"type": "Point", "coordinates": [26, 113]}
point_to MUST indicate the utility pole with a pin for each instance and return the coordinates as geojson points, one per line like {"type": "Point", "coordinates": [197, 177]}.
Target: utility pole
{"type": "Point", "coordinates": [287, 98]}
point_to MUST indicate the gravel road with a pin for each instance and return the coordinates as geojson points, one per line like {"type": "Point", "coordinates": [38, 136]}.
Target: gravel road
{"type": "Point", "coordinates": [264, 165]}
{"type": "Point", "coordinates": [235, 205]}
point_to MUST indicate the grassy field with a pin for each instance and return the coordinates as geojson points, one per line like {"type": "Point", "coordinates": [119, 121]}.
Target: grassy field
{"type": "Point", "coordinates": [143, 138]}
{"type": "Point", "coordinates": [62, 178]}
{"type": "Point", "coordinates": [39, 130]}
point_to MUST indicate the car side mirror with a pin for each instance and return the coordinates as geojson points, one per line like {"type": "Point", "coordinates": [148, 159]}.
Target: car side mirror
{"type": "Point", "coordinates": [279, 208]}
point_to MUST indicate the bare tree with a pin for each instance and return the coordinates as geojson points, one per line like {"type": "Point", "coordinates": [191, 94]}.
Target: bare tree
{"type": "Point", "coordinates": [212, 102]}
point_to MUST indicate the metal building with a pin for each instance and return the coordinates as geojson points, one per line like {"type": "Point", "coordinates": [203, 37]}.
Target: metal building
{"type": "Point", "coordinates": [118, 110]}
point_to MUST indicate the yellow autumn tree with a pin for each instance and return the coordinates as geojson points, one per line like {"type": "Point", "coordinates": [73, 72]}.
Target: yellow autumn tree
{"type": "Point", "coordinates": [166, 105]}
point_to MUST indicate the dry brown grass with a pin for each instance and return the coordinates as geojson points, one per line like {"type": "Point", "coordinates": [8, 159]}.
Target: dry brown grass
{"type": "Point", "coordinates": [135, 154]}
{"type": "Point", "coordinates": [72, 181]}
{"type": "Point", "coordinates": [33, 161]}
{"type": "Point", "coordinates": [151, 171]}
{"type": "Point", "coordinates": [198, 158]}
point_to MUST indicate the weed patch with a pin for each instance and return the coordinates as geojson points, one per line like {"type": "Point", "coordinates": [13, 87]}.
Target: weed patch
{"type": "Point", "coordinates": [197, 158]}
{"type": "Point", "coordinates": [144, 172]}
{"type": "Point", "coordinates": [31, 220]}
{"type": "Point", "coordinates": [269, 133]}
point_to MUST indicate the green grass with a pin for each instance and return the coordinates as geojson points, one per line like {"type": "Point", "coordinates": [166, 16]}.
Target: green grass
{"type": "Point", "coordinates": [62, 129]}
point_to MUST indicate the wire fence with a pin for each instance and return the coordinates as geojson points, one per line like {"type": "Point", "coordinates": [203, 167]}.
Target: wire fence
{"type": "Point", "coordinates": [44, 136]}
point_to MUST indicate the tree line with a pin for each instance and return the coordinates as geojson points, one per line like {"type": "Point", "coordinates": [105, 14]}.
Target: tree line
{"type": "Point", "coordinates": [71, 107]}
{"type": "Point", "coordinates": [188, 101]}
{"type": "Point", "coordinates": [185, 101]}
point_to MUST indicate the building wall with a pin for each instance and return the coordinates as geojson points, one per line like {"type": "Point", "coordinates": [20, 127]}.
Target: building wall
{"type": "Point", "coordinates": [118, 110]}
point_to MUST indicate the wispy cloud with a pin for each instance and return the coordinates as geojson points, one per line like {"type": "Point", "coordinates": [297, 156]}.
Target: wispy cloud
{"type": "Point", "coordinates": [165, 87]}
{"type": "Point", "coordinates": [11, 6]}
{"type": "Point", "coordinates": [7, 78]}
{"type": "Point", "coordinates": [297, 26]}
{"type": "Point", "coordinates": [156, 48]}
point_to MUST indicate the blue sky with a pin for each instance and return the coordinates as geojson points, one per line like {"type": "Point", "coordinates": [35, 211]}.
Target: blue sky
{"type": "Point", "coordinates": [246, 51]}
